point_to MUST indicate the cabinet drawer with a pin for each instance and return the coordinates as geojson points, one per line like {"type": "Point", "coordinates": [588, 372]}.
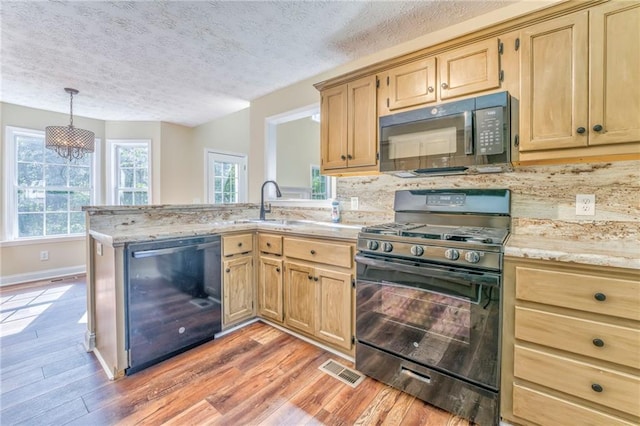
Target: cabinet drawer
{"type": "Point", "coordinates": [527, 403]}
{"type": "Point", "coordinates": [590, 293]}
{"type": "Point", "coordinates": [321, 252]}
{"type": "Point", "coordinates": [235, 244]}
{"type": "Point", "coordinates": [270, 244]}
{"type": "Point", "coordinates": [595, 339]}
{"type": "Point", "coordinates": [618, 390]}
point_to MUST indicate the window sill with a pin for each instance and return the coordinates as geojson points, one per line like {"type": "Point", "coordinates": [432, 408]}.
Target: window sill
{"type": "Point", "coordinates": [42, 240]}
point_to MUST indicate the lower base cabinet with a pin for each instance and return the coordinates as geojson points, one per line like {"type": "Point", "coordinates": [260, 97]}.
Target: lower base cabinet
{"type": "Point", "coordinates": [237, 279]}
{"type": "Point", "coordinates": [571, 344]}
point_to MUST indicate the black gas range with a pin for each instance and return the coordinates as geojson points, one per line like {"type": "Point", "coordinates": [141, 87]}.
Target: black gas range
{"type": "Point", "coordinates": [428, 298]}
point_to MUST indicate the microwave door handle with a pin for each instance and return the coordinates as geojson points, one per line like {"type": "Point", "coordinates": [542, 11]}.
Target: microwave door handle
{"type": "Point", "coordinates": [468, 133]}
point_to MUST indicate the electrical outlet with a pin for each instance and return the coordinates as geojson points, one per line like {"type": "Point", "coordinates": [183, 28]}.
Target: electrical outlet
{"type": "Point", "coordinates": [585, 204]}
{"type": "Point", "coordinates": [44, 255]}
{"type": "Point", "coordinates": [354, 203]}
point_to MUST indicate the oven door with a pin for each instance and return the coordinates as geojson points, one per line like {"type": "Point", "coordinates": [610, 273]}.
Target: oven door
{"type": "Point", "coordinates": [447, 319]}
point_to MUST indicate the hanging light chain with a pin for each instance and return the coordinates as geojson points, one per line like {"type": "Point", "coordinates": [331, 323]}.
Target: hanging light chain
{"type": "Point", "coordinates": [71, 109]}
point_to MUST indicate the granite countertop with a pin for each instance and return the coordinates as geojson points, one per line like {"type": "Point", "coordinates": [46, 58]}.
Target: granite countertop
{"type": "Point", "coordinates": [598, 253]}
{"type": "Point", "coordinates": [294, 227]}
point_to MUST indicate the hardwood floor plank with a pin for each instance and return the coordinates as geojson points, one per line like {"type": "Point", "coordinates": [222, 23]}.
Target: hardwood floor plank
{"type": "Point", "coordinates": [378, 410]}
{"type": "Point", "coordinates": [19, 378]}
{"type": "Point", "coordinates": [58, 415]}
{"type": "Point", "coordinates": [200, 414]}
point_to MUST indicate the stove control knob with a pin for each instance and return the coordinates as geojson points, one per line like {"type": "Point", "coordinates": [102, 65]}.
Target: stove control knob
{"type": "Point", "coordinates": [417, 250]}
{"type": "Point", "coordinates": [372, 245]}
{"type": "Point", "coordinates": [452, 254]}
{"type": "Point", "coordinates": [472, 257]}
{"type": "Point", "coordinates": [387, 247]}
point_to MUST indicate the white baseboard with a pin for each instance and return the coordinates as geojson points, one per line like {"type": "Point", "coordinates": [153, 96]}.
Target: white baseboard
{"type": "Point", "coordinates": [42, 275]}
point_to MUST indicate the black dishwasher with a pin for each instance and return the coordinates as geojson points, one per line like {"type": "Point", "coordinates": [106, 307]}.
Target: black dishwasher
{"type": "Point", "coordinates": [172, 294]}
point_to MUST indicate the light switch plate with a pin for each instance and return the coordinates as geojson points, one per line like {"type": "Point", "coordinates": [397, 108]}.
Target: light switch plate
{"type": "Point", "coordinates": [585, 204]}
{"type": "Point", "coordinates": [354, 203]}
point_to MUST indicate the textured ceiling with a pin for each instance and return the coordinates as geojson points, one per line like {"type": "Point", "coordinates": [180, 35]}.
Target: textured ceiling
{"type": "Point", "coordinates": [189, 62]}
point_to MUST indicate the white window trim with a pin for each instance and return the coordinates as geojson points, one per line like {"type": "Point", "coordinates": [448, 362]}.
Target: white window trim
{"type": "Point", "coordinates": [111, 187]}
{"type": "Point", "coordinates": [243, 184]}
{"type": "Point", "coordinates": [10, 230]}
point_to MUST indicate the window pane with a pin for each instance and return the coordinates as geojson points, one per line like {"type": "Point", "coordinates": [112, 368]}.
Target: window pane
{"type": "Point", "coordinates": [80, 176]}
{"type": "Point", "coordinates": [31, 225]}
{"type": "Point", "coordinates": [126, 178]}
{"type": "Point", "coordinates": [140, 198]}
{"type": "Point", "coordinates": [84, 161]}
{"type": "Point", "coordinates": [141, 157]}
{"type": "Point", "coordinates": [217, 169]}
{"type": "Point", "coordinates": [79, 199]}
{"type": "Point", "coordinates": [218, 198]}
{"type": "Point", "coordinates": [56, 175]}
{"type": "Point", "coordinates": [218, 185]}
{"type": "Point", "coordinates": [126, 198]}
{"type": "Point", "coordinates": [56, 223]}
{"type": "Point", "coordinates": [57, 201]}
{"type": "Point", "coordinates": [30, 149]}
{"type": "Point", "coordinates": [52, 157]}
{"type": "Point", "coordinates": [126, 157]}
{"type": "Point", "coordinates": [30, 174]}
{"type": "Point", "coordinates": [30, 200]}
{"type": "Point", "coordinates": [142, 178]}
{"type": "Point", "coordinates": [77, 224]}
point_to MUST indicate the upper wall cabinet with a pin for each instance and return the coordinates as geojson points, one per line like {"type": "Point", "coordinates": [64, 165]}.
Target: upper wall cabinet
{"type": "Point", "coordinates": [348, 130]}
{"type": "Point", "coordinates": [462, 71]}
{"type": "Point", "coordinates": [580, 82]}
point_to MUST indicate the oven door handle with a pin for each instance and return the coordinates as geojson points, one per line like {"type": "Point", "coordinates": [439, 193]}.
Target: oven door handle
{"type": "Point", "coordinates": [484, 278]}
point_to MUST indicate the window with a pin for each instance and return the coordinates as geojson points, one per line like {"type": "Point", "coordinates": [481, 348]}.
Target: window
{"type": "Point", "coordinates": [45, 192]}
{"type": "Point", "coordinates": [319, 184]}
{"type": "Point", "coordinates": [129, 164]}
{"type": "Point", "coordinates": [226, 178]}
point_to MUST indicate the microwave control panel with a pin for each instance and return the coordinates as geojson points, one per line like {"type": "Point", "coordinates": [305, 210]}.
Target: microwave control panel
{"type": "Point", "coordinates": [489, 130]}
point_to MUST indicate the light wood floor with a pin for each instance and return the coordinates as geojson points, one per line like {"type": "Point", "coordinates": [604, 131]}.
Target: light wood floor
{"type": "Point", "coordinates": [255, 376]}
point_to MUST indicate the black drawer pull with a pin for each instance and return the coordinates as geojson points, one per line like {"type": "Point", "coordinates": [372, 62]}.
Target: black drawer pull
{"type": "Point", "coordinates": [600, 297]}
{"type": "Point", "coordinates": [239, 244]}
{"type": "Point", "coordinates": [596, 387]}
{"type": "Point", "coordinates": [277, 269]}
{"type": "Point", "coordinates": [310, 277]}
{"type": "Point", "coordinates": [228, 270]}
{"type": "Point", "coordinates": [598, 342]}
{"type": "Point", "coordinates": [315, 278]}
{"type": "Point", "coordinates": [313, 252]}
{"type": "Point", "coordinates": [268, 244]}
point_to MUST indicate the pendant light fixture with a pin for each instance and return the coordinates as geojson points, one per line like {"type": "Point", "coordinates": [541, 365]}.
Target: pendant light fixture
{"type": "Point", "coordinates": [68, 141]}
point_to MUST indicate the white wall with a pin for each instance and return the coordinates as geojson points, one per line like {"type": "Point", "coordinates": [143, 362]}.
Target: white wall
{"type": "Point", "coordinates": [298, 147]}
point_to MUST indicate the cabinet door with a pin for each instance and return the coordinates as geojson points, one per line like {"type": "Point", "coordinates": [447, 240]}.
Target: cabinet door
{"type": "Point", "coordinates": [362, 124]}
{"type": "Point", "coordinates": [334, 307]}
{"type": "Point", "coordinates": [299, 297]}
{"type": "Point", "coordinates": [554, 85]}
{"type": "Point", "coordinates": [412, 84]}
{"type": "Point", "coordinates": [615, 73]}
{"type": "Point", "coordinates": [270, 290]}
{"type": "Point", "coordinates": [333, 128]}
{"type": "Point", "coordinates": [238, 289]}
{"type": "Point", "coordinates": [469, 69]}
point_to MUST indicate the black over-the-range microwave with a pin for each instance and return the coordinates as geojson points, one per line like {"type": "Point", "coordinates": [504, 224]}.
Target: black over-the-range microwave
{"type": "Point", "coordinates": [474, 135]}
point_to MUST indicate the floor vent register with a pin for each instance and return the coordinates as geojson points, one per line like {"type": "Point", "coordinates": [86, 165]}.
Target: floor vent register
{"type": "Point", "coordinates": [342, 373]}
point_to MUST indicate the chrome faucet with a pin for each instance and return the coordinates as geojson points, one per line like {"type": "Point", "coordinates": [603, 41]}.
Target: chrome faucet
{"type": "Point", "coordinates": [267, 209]}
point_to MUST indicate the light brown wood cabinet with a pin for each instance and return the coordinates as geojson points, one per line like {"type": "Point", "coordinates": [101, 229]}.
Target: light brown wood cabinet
{"type": "Point", "coordinates": [571, 344]}
{"type": "Point", "coordinates": [348, 128]}
{"type": "Point", "coordinates": [580, 82]}
{"type": "Point", "coordinates": [270, 278]}
{"type": "Point", "coordinates": [237, 279]}
{"type": "Point", "coordinates": [318, 290]}
{"type": "Point", "coordinates": [458, 72]}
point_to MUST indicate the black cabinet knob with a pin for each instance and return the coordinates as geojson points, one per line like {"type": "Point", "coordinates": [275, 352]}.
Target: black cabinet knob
{"type": "Point", "coordinates": [598, 342]}
{"type": "Point", "coordinates": [600, 297]}
{"type": "Point", "coordinates": [596, 387]}
{"type": "Point", "coordinates": [313, 252]}
{"type": "Point", "coordinates": [597, 128]}
{"type": "Point", "coordinates": [268, 244]}
{"type": "Point", "coordinates": [310, 277]}
{"type": "Point", "coordinates": [343, 157]}
{"type": "Point", "coordinates": [350, 157]}
{"type": "Point", "coordinates": [315, 278]}
{"type": "Point", "coordinates": [581, 130]}
{"type": "Point", "coordinates": [227, 270]}
{"type": "Point", "coordinates": [277, 269]}
{"type": "Point", "coordinates": [239, 244]}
